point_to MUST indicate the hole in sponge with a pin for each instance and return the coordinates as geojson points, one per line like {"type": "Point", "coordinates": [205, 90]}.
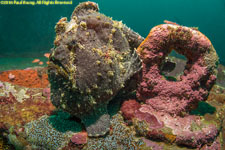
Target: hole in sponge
{"type": "Point", "coordinates": [174, 66]}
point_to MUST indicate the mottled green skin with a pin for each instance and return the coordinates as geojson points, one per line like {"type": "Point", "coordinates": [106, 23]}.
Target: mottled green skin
{"type": "Point", "coordinates": [93, 59]}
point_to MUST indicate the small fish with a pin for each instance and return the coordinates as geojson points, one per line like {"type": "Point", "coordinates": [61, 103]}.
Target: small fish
{"type": "Point", "coordinates": [40, 63]}
{"type": "Point", "coordinates": [35, 60]}
{"type": "Point", "coordinates": [170, 22]}
{"type": "Point", "coordinates": [47, 55]}
{"type": "Point", "coordinates": [47, 62]}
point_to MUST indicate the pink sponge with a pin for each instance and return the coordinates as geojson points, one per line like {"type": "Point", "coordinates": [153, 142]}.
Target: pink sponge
{"type": "Point", "coordinates": [128, 108]}
{"type": "Point", "coordinates": [197, 79]}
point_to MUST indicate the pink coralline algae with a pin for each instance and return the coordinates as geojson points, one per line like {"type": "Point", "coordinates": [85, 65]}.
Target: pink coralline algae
{"type": "Point", "coordinates": [205, 136]}
{"type": "Point", "coordinates": [197, 79]}
{"type": "Point", "coordinates": [165, 114]}
{"type": "Point", "coordinates": [192, 131]}
{"type": "Point", "coordinates": [150, 119]}
{"type": "Point", "coordinates": [128, 108]}
{"type": "Point", "coordinates": [153, 145]}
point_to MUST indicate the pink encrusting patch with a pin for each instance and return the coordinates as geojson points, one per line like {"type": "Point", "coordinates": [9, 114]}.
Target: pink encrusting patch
{"type": "Point", "coordinates": [129, 107]}
{"type": "Point", "coordinates": [150, 119]}
{"type": "Point", "coordinates": [79, 138]}
{"type": "Point", "coordinates": [190, 130]}
{"type": "Point", "coordinates": [205, 136]}
{"type": "Point", "coordinates": [175, 97]}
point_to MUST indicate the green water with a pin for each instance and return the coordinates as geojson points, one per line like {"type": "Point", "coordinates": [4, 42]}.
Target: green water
{"type": "Point", "coordinates": [11, 63]}
{"type": "Point", "coordinates": [27, 31]}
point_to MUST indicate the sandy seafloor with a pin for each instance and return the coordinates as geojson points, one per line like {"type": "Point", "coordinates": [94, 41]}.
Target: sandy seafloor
{"type": "Point", "coordinates": [15, 115]}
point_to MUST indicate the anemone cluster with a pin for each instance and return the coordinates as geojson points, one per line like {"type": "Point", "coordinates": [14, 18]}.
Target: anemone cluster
{"type": "Point", "coordinates": [41, 134]}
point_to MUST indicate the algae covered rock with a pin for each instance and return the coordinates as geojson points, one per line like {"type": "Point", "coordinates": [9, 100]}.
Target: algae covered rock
{"type": "Point", "coordinates": [93, 59]}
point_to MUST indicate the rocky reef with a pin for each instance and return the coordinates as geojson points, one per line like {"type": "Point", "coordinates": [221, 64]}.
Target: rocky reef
{"type": "Point", "coordinates": [93, 58]}
{"type": "Point", "coordinates": [34, 123]}
{"type": "Point", "coordinates": [22, 101]}
{"type": "Point", "coordinates": [168, 110]}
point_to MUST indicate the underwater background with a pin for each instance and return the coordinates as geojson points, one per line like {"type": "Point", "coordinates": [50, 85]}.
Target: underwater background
{"type": "Point", "coordinates": [96, 93]}
{"type": "Point", "coordinates": [27, 31]}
